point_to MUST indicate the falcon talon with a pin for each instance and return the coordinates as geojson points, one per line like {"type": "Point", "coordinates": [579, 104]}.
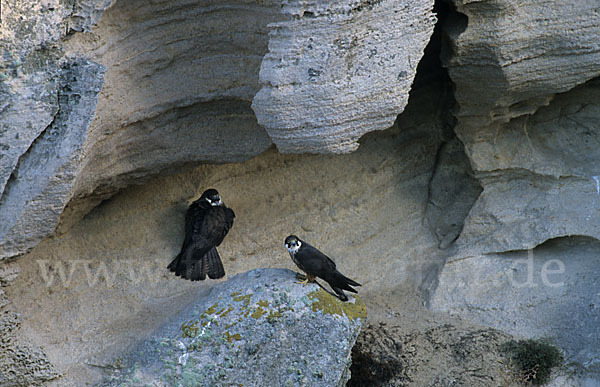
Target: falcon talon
{"type": "Point", "coordinates": [301, 276]}
{"type": "Point", "coordinates": [316, 264]}
{"type": "Point", "coordinates": [207, 222]}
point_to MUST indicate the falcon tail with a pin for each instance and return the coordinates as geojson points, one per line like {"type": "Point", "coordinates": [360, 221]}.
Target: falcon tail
{"type": "Point", "coordinates": [340, 293]}
{"type": "Point", "coordinates": [196, 266]}
{"type": "Point", "coordinates": [215, 267]}
{"type": "Point", "coordinates": [339, 283]}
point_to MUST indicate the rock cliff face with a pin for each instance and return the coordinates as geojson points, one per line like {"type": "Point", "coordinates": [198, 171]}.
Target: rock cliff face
{"type": "Point", "coordinates": [535, 163]}
{"type": "Point", "coordinates": [547, 292]}
{"type": "Point", "coordinates": [48, 100]}
{"type": "Point", "coordinates": [540, 177]}
{"type": "Point", "coordinates": [204, 58]}
{"type": "Point", "coordinates": [490, 156]}
{"type": "Point", "coordinates": [526, 87]}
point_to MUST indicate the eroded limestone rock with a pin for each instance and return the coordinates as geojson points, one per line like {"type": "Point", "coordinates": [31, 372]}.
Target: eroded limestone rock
{"type": "Point", "coordinates": [387, 355]}
{"type": "Point", "coordinates": [47, 101]}
{"type": "Point", "coordinates": [180, 78]}
{"type": "Point", "coordinates": [452, 192]}
{"type": "Point", "coordinates": [40, 185]}
{"type": "Point", "coordinates": [339, 69]}
{"type": "Point", "coordinates": [540, 177]}
{"type": "Point", "coordinates": [535, 154]}
{"type": "Point", "coordinates": [509, 56]}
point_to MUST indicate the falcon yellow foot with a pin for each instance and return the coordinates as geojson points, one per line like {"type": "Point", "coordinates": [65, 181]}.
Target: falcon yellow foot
{"type": "Point", "coordinates": [304, 279]}
{"type": "Point", "coordinates": [300, 276]}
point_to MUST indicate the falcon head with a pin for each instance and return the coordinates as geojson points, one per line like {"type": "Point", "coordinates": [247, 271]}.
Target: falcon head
{"type": "Point", "coordinates": [212, 197]}
{"type": "Point", "coordinates": [292, 243]}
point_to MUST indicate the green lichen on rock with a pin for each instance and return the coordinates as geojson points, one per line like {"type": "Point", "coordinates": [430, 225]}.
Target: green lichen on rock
{"type": "Point", "coordinates": [274, 315]}
{"type": "Point", "coordinates": [328, 304]}
{"type": "Point", "coordinates": [190, 328]}
{"type": "Point", "coordinates": [258, 313]}
{"type": "Point", "coordinates": [263, 303]}
{"type": "Point", "coordinates": [239, 298]}
{"type": "Point", "coordinates": [245, 299]}
{"type": "Point", "coordinates": [230, 337]}
{"type": "Point", "coordinates": [212, 309]}
{"type": "Point", "coordinates": [224, 312]}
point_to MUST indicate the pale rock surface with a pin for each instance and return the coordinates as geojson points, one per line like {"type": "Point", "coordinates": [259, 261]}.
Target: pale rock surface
{"type": "Point", "coordinates": [47, 101]}
{"type": "Point", "coordinates": [257, 328]}
{"type": "Point", "coordinates": [204, 58]}
{"type": "Point", "coordinates": [106, 280]}
{"type": "Point", "coordinates": [452, 192]}
{"type": "Point", "coordinates": [537, 164]}
{"type": "Point", "coordinates": [180, 78]}
{"type": "Point", "coordinates": [28, 87]}
{"type": "Point", "coordinates": [439, 354]}
{"type": "Point", "coordinates": [20, 362]}
{"type": "Point", "coordinates": [535, 154]}
{"type": "Point", "coordinates": [547, 292]}
{"type": "Point", "coordinates": [507, 57]}
{"type": "Point", "coordinates": [40, 186]}
{"type": "Point", "coordinates": [339, 69]}
{"type": "Point", "coordinates": [540, 177]}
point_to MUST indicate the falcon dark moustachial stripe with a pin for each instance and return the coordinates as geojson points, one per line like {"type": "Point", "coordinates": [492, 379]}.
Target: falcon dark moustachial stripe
{"type": "Point", "coordinates": [207, 221]}
{"type": "Point", "coordinates": [316, 264]}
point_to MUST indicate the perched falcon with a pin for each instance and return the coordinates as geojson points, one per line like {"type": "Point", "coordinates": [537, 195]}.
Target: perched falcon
{"type": "Point", "coordinates": [316, 264]}
{"type": "Point", "coordinates": [207, 221]}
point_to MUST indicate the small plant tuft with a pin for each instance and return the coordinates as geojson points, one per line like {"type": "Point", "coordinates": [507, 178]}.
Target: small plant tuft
{"type": "Point", "coordinates": [534, 359]}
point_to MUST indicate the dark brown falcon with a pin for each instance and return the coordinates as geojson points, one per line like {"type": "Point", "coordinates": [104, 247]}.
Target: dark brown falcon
{"type": "Point", "coordinates": [207, 221]}
{"type": "Point", "coordinates": [316, 264]}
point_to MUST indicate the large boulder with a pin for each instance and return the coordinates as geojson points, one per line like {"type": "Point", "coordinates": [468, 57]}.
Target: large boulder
{"type": "Point", "coordinates": [258, 328]}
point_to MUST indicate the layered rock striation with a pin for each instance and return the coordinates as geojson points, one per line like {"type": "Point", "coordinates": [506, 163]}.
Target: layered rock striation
{"type": "Point", "coordinates": [536, 163]}
{"type": "Point", "coordinates": [174, 83]}
{"type": "Point", "coordinates": [339, 69]}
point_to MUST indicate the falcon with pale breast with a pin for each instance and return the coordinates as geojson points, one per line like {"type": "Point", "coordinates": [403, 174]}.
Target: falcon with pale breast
{"type": "Point", "coordinates": [316, 264]}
